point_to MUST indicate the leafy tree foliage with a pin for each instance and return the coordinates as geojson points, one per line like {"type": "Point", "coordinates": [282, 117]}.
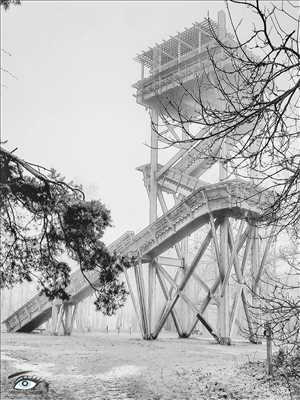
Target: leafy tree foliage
{"type": "Point", "coordinates": [43, 218]}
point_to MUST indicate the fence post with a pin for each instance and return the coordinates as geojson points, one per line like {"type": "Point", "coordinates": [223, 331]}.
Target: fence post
{"type": "Point", "coordinates": [268, 335]}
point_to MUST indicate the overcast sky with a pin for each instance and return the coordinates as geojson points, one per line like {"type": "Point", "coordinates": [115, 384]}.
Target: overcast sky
{"type": "Point", "coordinates": [72, 106]}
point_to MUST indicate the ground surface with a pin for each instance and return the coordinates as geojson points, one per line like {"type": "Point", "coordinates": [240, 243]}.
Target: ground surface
{"type": "Point", "coordinates": [106, 366]}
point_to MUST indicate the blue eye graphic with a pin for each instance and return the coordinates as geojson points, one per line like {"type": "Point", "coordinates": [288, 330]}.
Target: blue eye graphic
{"type": "Point", "coordinates": [25, 383]}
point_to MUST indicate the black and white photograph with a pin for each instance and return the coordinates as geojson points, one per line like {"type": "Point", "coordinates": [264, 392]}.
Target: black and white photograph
{"type": "Point", "coordinates": [150, 200]}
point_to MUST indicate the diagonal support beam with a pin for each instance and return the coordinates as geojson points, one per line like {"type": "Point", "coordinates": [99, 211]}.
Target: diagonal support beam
{"type": "Point", "coordinates": [180, 153]}
{"type": "Point", "coordinates": [263, 260]}
{"type": "Point", "coordinates": [233, 257]}
{"type": "Point", "coordinates": [170, 261]}
{"type": "Point", "coordinates": [205, 304]}
{"type": "Point", "coordinates": [246, 236]}
{"type": "Point", "coordinates": [235, 308]}
{"type": "Point", "coordinates": [189, 303]}
{"type": "Point", "coordinates": [173, 312]}
{"type": "Point", "coordinates": [133, 299]}
{"type": "Point", "coordinates": [246, 251]}
{"type": "Point", "coordinates": [151, 292]}
{"type": "Point", "coordinates": [180, 40]}
{"type": "Point", "coordinates": [201, 281]}
{"type": "Point", "coordinates": [184, 281]}
{"type": "Point", "coordinates": [59, 318]}
{"type": "Point", "coordinates": [234, 247]}
{"type": "Point", "coordinates": [173, 132]}
{"type": "Point", "coordinates": [141, 297]}
{"type": "Point", "coordinates": [240, 291]}
{"type": "Point", "coordinates": [171, 162]}
{"type": "Point", "coordinates": [164, 208]}
{"type": "Point", "coordinates": [179, 253]}
{"type": "Point", "coordinates": [73, 316]}
{"type": "Point", "coordinates": [215, 239]}
{"type": "Point", "coordinates": [247, 313]}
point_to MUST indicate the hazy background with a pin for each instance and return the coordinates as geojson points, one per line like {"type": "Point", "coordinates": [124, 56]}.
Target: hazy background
{"type": "Point", "coordinates": [72, 106]}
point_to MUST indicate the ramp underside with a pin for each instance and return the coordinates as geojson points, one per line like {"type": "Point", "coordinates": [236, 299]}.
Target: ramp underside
{"type": "Point", "coordinates": [36, 322]}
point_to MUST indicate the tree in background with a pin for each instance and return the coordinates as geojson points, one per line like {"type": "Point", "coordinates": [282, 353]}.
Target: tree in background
{"type": "Point", "coordinates": [43, 218]}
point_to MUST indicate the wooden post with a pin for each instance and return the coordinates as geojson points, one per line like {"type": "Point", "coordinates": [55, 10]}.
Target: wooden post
{"type": "Point", "coordinates": [141, 301]}
{"type": "Point", "coordinates": [186, 312]}
{"type": "Point", "coordinates": [254, 259]}
{"type": "Point", "coordinates": [73, 316]}
{"type": "Point", "coordinates": [57, 312]}
{"type": "Point", "coordinates": [143, 298]}
{"type": "Point", "coordinates": [268, 335]}
{"type": "Point", "coordinates": [153, 166]}
{"type": "Point", "coordinates": [54, 319]}
{"type": "Point", "coordinates": [67, 319]}
{"type": "Point", "coordinates": [223, 308]}
{"type": "Point", "coordinates": [59, 319]}
{"type": "Point", "coordinates": [153, 210]}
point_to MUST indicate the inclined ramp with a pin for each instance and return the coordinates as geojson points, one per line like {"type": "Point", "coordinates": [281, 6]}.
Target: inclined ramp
{"type": "Point", "coordinates": [232, 198]}
{"type": "Point", "coordinates": [39, 309]}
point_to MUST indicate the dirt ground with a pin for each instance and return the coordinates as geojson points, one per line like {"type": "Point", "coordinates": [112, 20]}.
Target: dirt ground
{"type": "Point", "coordinates": [94, 366]}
